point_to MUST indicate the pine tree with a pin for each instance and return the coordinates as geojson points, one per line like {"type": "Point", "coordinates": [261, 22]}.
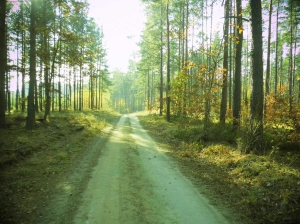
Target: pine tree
{"type": "Point", "coordinates": [257, 96]}
{"type": "Point", "coordinates": [32, 74]}
{"type": "Point", "coordinates": [3, 62]}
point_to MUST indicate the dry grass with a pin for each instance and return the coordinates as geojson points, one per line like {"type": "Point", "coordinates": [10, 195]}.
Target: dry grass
{"type": "Point", "coordinates": [31, 162]}
{"type": "Point", "coordinates": [263, 189]}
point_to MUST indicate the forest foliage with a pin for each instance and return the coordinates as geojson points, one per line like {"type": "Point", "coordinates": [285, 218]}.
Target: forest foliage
{"type": "Point", "coordinates": [198, 61]}
{"type": "Point", "coordinates": [55, 58]}
{"type": "Point", "coordinates": [209, 53]}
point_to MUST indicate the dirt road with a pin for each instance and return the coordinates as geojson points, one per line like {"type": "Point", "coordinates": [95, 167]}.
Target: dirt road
{"type": "Point", "coordinates": [135, 182]}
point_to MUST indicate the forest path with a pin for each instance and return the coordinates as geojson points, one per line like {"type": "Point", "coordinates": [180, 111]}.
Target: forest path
{"type": "Point", "coordinates": [135, 182]}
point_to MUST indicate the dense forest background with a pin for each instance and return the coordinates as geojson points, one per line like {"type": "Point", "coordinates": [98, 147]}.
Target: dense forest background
{"type": "Point", "coordinates": [231, 63]}
{"type": "Point", "coordinates": [55, 58]}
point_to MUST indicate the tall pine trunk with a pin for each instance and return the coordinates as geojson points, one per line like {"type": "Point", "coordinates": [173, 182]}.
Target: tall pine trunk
{"type": "Point", "coordinates": [231, 46]}
{"type": "Point", "coordinates": [36, 99]}
{"type": "Point", "coordinates": [101, 93]}
{"type": "Point", "coordinates": [269, 50]}
{"type": "Point", "coordinates": [223, 107]}
{"type": "Point", "coordinates": [80, 87]}
{"type": "Point", "coordinates": [237, 91]}
{"type": "Point", "coordinates": [257, 96]}
{"type": "Point", "coordinates": [47, 80]}
{"type": "Point", "coordinates": [276, 51]}
{"type": "Point", "coordinates": [17, 91]}
{"type": "Point", "coordinates": [168, 66]}
{"type": "Point", "coordinates": [74, 90]}
{"type": "Point", "coordinates": [23, 41]}
{"type": "Point", "coordinates": [291, 59]}
{"type": "Point", "coordinates": [32, 76]}
{"type": "Point", "coordinates": [100, 87]}
{"type": "Point", "coordinates": [3, 53]}
{"type": "Point", "coordinates": [161, 91]}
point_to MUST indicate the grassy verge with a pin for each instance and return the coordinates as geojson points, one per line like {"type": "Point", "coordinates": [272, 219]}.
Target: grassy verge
{"type": "Point", "coordinates": [31, 162]}
{"type": "Point", "coordinates": [264, 189]}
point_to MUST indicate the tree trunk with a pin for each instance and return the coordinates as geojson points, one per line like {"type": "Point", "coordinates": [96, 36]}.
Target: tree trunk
{"type": "Point", "coordinates": [276, 51]}
{"type": "Point", "coordinates": [96, 90]}
{"type": "Point", "coordinates": [246, 77]}
{"type": "Point", "coordinates": [59, 96]}
{"type": "Point", "coordinates": [23, 41]}
{"type": "Point", "coordinates": [269, 49]}
{"type": "Point", "coordinates": [36, 99]}
{"type": "Point", "coordinates": [229, 82]}
{"type": "Point", "coordinates": [186, 70]}
{"type": "Point", "coordinates": [17, 91]}
{"type": "Point", "coordinates": [7, 95]}
{"type": "Point", "coordinates": [238, 67]}
{"type": "Point", "coordinates": [92, 92]}
{"type": "Point", "coordinates": [281, 69]}
{"type": "Point", "coordinates": [47, 80]}
{"type": "Point", "coordinates": [223, 107]}
{"type": "Point", "coordinates": [77, 94]}
{"type": "Point", "coordinates": [32, 76]}
{"type": "Point", "coordinates": [101, 95]}
{"type": "Point", "coordinates": [59, 87]}
{"type": "Point", "coordinates": [291, 60]}
{"type": "Point", "coordinates": [257, 96]}
{"type": "Point", "coordinates": [168, 66]}
{"type": "Point", "coordinates": [3, 62]}
{"type": "Point", "coordinates": [52, 85]}
{"type": "Point", "coordinates": [161, 90]}
{"type": "Point", "coordinates": [74, 89]}
{"type": "Point", "coordinates": [80, 86]}
{"type": "Point", "coordinates": [41, 85]}
{"type": "Point", "coordinates": [148, 90]}
{"type": "Point", "coordinates": [295, 77]}
{"type": "Point", "coordinates": [101, 86]}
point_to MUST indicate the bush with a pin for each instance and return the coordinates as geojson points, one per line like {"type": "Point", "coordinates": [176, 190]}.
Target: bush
{"type": "Point", "coordinates": [224, 133]}
{"type": "Point", "coordinates": [248, 135]}
{"type": "Point", "coordinates": [188, 134]}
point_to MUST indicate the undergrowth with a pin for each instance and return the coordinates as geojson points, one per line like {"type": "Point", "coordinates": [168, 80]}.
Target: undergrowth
{"type": "Point", "coordinates": [32, 161]}
{"type": "Point", "coordinates": [263, 188]}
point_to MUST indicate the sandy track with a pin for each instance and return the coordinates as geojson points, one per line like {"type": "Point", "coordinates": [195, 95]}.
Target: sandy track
{"type": "Point", "coordinates": [135, 182]}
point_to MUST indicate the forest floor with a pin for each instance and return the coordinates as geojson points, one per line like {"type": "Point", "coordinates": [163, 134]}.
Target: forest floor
{"type": "Point", "coordinates": [259, 189]}
{"type": "Point", "coordinates": [46, 174]}
{"type": "Point", "coordinates": [35, 165]}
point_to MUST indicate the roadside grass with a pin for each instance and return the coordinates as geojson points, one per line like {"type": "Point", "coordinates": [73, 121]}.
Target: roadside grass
{"type": "Point", "coordinates": [31, 162]}
{"type": "Point", "coordinates": [264, 189]}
